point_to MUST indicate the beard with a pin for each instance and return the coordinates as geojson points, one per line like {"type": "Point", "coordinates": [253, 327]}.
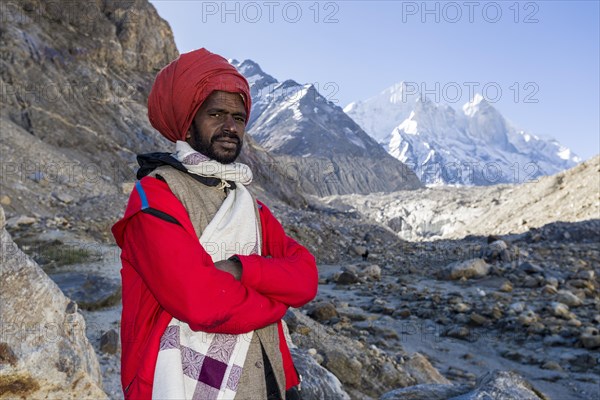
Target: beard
{"type": "Point", "coordinates": [210, 148]}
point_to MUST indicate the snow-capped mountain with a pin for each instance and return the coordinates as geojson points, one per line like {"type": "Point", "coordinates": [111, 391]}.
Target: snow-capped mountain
{"type": "Point", "coordinates": [328, 151]}
{"type": "Point", "coordinates": [475, 145]}
{"type": "Point", "coordinates": [293, 119]}
{"type": "Point", "coordinates": [379, 115]}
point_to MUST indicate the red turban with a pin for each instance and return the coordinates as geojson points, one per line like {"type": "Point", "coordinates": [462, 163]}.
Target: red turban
{"type": "Point", "coordinates": [181, 87]}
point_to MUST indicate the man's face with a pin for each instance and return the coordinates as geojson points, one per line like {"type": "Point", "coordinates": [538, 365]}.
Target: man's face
{"type": "Point", "coordinates": [218, 128]}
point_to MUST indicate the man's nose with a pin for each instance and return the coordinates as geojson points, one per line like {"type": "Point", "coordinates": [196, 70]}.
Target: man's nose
{"type": "Point", "coordinates": [229, 124]}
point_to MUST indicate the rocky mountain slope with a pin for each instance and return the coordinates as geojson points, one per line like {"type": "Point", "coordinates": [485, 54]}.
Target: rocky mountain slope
{"type": "Point", "coordinates": [73, 113]}
{"type": "Point", "coordinates": [73, 109]}
{"type": "Point", "coordinates": [317, 144]}
{"type": "Point", "coordinates": [455, 212]}
{"type": "Point", "coordinates": [475, 145]}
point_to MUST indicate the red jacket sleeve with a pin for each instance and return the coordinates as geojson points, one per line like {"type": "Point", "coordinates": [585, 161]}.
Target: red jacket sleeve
{"type": "Point", "coordinates": [182, 277]}
{"type": "Point", "coordinates": [290, 274]}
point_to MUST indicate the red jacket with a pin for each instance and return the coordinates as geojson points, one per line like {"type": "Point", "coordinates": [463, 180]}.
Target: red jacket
{"type": "Point", "coordinates": [166, 273]}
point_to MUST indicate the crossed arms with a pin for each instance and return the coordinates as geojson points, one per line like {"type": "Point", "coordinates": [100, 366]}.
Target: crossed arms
{"type": "Point", "coordinates": [182, 277]}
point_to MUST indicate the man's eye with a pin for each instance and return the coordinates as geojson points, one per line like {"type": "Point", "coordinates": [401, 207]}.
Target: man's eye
{"type": "Point", "coordinates": [240, 119]}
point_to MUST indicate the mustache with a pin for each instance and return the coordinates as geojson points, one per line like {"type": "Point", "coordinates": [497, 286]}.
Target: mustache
{"type": "Point", "coordinates": [225, 135]}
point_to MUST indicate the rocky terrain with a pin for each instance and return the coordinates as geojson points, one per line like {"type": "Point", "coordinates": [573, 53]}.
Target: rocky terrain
{"type": "Point", "coordinates": [431, 317]}
{"type": "Point", "coordinates": [74, 84]}
{"type": "Point", "coordinates": [454, 212]}
{"type": "Point", "coordinates": [528, 302]}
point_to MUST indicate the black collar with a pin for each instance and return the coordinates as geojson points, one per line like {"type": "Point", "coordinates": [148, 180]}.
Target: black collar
{"type": "Point", "coordinates": [150, 161]}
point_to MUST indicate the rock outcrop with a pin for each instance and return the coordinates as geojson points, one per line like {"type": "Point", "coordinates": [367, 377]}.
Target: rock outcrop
{"type": "Point", "coordinates": [44, 351]}
{"type": "Point", "coordinates": [343, 174]}
{"type": "Point", "coordinates": [74, 83]}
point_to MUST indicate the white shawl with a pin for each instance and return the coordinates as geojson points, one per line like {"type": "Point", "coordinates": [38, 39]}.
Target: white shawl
{"type": "Point", "coordinates": [199, 365]}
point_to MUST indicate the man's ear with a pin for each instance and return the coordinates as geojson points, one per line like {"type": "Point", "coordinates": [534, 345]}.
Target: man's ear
{"type": "Point", "coordinates": [188, 135]}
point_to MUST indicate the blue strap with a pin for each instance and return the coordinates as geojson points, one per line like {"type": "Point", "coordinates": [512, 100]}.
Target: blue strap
{"type": "Point", "coordinates": [142, 194]}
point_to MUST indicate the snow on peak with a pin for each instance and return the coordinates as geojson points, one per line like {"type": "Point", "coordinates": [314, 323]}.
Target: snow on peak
{"type": "Point", "coordinates": [397, 93]}
{"type": "Point", "coordinates": [249, 64]}
{"type": "Point", "coordinates": [478, 98]}
{"type": "Point", "coordinates": [474, 105]}
{"type": "Point", "coordinates": [256, 77]}
{"type": "Point", "coordinates": [380, 114]}
{"type": "Point", "coordinates": [409, 125]}
{"type": "Point", "coordinates": [350, 107]}
{"type": "Point", "coordinates": [435, 136]}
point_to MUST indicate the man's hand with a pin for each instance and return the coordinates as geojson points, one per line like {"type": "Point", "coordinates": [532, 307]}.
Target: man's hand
{"type": "Point", "coordinates": [230, 266]}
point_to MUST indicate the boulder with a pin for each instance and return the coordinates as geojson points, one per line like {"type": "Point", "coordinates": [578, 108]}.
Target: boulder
{"type": "Point", "coordinates": [560, 310]}
{"type": "Point", "coordinates": [531, 268]}
{"type": "Point", "coordinates": [590, 338]}
{"type": "Point", "coordinates": [109, 342]}
{"type": "Point", "coordinates": [358, 250]}
{"type": "Point", "coordinates": [19, 220]}
{"type": "Point", "coordinates": [346, 278]}
{"type": "Point", "coordinates": [469, 269]}
{"type": "Point", "coordinates": [44, 351]}
{"type": "Point", "coordinates": [323, 311]}
{"type": "Point", "coordinates": [63, 197]}
{"type": "Point", "coordinates": [317, 383]}
{"type": "Point", "coordinates": [497, 250]}
{"type": "Point", "coordinates": [372, 272]}
{"type": "Point", "coordinates": [419, 367]}
{"type": "Point", "coordinates": [505, 385]}
{"type": "Point", "coordinates": [568, 298]}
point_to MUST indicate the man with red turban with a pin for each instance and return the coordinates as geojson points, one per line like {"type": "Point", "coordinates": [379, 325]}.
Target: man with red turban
{"type": "Point", "coordinates": [208, 272]}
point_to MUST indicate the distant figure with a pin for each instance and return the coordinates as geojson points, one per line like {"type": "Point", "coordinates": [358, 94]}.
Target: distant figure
{"type": "Point", "coordinates": [365, 255]}
{"type": "Point", "coordinates": [201, 314]}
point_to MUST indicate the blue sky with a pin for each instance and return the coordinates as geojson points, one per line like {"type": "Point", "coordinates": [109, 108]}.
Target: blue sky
{"type": "Point", "coordinates": [536, 61]}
